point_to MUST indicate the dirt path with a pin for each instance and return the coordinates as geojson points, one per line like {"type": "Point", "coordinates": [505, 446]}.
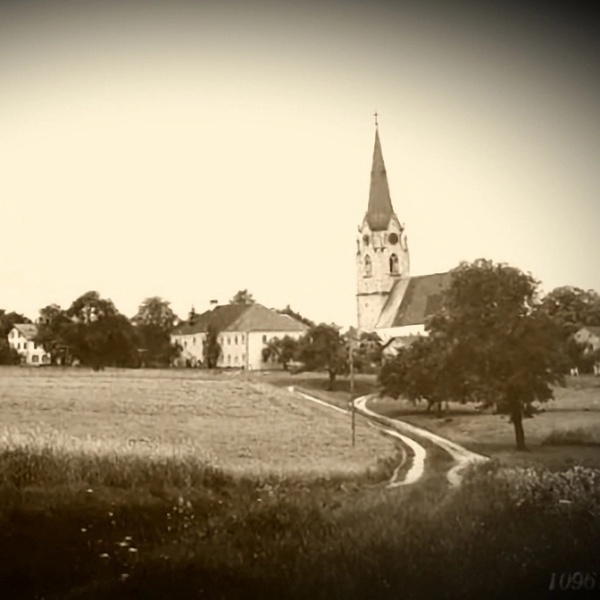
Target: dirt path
{"type": "Point", "coordinates": [407, 433]}
{"type": "Point", "coordinates": [462, 457]}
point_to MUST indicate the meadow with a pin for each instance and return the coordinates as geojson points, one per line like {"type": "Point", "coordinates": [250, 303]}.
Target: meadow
{"type": "Point", "coordinates": [139, 484]}
{"type": "Point", "coordinates": [226, 422]}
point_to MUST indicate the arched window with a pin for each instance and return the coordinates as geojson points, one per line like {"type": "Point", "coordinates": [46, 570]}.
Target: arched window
{"type": "Point", "coordinates": [394, 265]}
{"type": "Point", "coordinates": [368, 266]}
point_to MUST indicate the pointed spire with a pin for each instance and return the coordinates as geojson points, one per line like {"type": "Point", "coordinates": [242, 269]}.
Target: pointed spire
{"type": "Point", "coordinates": [380, 208]}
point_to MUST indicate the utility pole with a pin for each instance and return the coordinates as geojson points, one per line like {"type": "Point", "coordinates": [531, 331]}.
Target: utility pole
{"type": "Point", "coordinates": [351, 345]}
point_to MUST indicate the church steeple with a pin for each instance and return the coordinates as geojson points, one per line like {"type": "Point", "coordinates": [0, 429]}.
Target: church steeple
{"type": "Point", "coordinates": [379, 211]}
{"type": "Point", "coordinates": [382, 259]}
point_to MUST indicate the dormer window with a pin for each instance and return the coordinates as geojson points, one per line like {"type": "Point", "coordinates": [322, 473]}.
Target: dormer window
{"type": "Point", "coordinates": [368, 266]}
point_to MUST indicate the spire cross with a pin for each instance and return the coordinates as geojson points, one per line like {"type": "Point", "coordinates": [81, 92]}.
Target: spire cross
{"type": "Point", "coordinates": [376, 115]}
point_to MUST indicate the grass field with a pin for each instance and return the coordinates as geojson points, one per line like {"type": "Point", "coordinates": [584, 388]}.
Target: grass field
{"type": "Point", "coordinates": [230, 423]}
{"type": "Point", "coordinates": [566, 432]}
{"type": "Point", "coordinates": [107, 490]}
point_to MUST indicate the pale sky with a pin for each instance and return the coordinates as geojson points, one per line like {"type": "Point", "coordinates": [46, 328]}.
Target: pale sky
{"type": "Point", "coordinates": [192, 149]}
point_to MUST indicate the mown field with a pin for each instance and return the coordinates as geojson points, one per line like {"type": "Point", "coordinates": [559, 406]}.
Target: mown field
{"type": "Point", "coordinates": [227, 422]}
{"type": "Point", "coordinates": [156, 485]}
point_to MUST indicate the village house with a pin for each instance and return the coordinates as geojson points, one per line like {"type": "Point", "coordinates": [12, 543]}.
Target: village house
{"type": "Point", "coordinates": [244, 331]}
{"type": "Point", "coordinates": [390, 302]}
{"type": "Point", "coordinates": [21, 337]}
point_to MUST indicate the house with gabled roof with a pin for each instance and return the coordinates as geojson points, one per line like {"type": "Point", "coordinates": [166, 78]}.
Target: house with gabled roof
{"type": "Point", "coordinates": [244, 330]}
{"type": "Point", "coordinates": [389, 301]}
{"type": "Point", "coordinates": [22, 338]}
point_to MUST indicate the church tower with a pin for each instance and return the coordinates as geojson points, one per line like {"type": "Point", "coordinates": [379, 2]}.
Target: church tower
{"type": "Point", "coordinates": [382, 250]}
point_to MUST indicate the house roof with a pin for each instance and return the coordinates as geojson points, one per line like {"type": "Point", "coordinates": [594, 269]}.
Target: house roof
{"type": "Point", "coordinates": [411, 301]}
{"type": "Point", "coordinates": [28, 330]}
{"type": "Point", "coordinates": [379, 211]}
{"type": "Point", "coordinates": [241, 317]}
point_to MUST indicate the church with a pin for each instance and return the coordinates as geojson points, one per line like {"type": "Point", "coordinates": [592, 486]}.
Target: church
{"type": "Point", "coordinates": [389, 301]}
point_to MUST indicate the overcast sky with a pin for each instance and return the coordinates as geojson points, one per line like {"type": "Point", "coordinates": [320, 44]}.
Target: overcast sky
{"type": "Point", "coordinates": [191, 149]}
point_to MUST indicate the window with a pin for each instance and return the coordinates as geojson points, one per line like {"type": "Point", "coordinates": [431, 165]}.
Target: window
{"type": "Point", "coordinates": [264, 339]}
{"type": "Point", "coordinates": [368, 266]}
{"type": "Point", "coordinates": [229, 359]}
{"type": "Point", "coordinates": [243, 356]}
{"type": "Point", "coordinates": [12, 333]}
{"type": "Point", "coordinates": [394, 266]}
{"type": "Point", "coordinates": [228, 340]}
{"type": "Point", "coordinates": [185, 344]}
{"type": "Point", "coordinates": [35, 358]}
{"type": "Point", "coordinates": [235, 360]}
{"type": "Point", "coordinates": [242, 338]}
{"type": "Point", "coordinates": [194, 341]}
{"type": "Point", "coordinates": [235, 340]}
{"type": "Point", "coordinates": [34, 345]}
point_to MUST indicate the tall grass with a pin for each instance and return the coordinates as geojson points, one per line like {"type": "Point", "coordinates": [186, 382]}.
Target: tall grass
{"type": "Point", "coordinates": [136, 526]}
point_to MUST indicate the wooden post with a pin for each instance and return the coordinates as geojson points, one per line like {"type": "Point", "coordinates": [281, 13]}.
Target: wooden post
{"type": "Point", "coordinates": [351, 361]}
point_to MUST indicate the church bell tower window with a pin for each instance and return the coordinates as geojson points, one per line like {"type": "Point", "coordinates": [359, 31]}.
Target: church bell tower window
{"type": "Point", "coordinates": [394, 265]}
{"type": "Point", "coordinates": [368, 266]}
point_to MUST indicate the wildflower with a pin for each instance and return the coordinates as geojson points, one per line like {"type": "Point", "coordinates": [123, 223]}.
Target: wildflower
{"type": "Point", "coordinates": [104, 555]}
{"type": "Point", "coordinates": [124, 576]}
{"type": "Point", "coordinates": [133, 550]}
{"type": "Point", "coordinates": [89, 490]}
{"type": "Point", "coordinates": [127, 538]}
{"type": "Point", "coordinates": [83, 530]}
{"type": "Point", "coordinates": [110, 514]}
{"type": "Point", "coordinates": [123, 544]}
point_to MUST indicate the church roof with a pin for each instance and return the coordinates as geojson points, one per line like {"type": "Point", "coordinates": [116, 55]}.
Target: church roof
{"type": "Point", "coordinates": [379, 211]}
{"type": "Point", "coordinates": [411, 301]}
{"type": "Point", "coordinates": [241, 317]}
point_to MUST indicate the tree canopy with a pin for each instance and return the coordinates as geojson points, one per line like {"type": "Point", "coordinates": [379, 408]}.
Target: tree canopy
{"type": "Point", "coordinates": [242, 297]}
{"type": "Point", "coordinates": [489, 343]}
{"type": "Point", "coordinates": [323, 347]}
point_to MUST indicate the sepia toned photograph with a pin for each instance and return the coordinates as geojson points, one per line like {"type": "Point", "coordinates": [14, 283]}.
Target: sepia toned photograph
{"type": "Point", "coordinates": [299, 299]}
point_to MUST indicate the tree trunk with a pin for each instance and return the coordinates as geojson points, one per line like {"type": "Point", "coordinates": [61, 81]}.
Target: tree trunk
{"type": "Point", "coordinates": [516, 416]}
{"type": "Point", "coordinates": [332, 374]}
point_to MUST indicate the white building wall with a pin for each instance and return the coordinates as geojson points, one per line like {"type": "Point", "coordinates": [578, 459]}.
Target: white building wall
{"type": "Point", "coordinates": [30, 352]}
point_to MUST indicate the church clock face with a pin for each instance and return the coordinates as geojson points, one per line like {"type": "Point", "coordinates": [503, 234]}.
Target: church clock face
{"type": "Point", "coordinates": [393, 238]}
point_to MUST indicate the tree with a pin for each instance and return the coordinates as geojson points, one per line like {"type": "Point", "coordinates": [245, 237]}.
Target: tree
{"type": "Point", "coordinates": [296, 315]}
{"type": "Point", "coordinates": [53, 332]}
{"type": "Point", "coordinates": [369, 352]}
{"type": "Point", "coordinates": [322, 347]}
{"type": "Point", "coordinates": [212, 348]}
{"type": "Point", "coordinates": [153, 323]}
{"type": "Point", "coordinates": [490, 342]}
{"type": "Point", "coordinates": [284, 350]}
{"type": "Point", "coordinates": [572, 308]}
{"type": "Point", "coordinates": [242, 297]}
{"type": "Point", "coordinates": [9, 320]}
{"type": "Point", "coordinates": [99, 335]}
{"type": "Point", "coordinates": [155, 312]}
{"type": "Point", "coordinates": [8, 355]}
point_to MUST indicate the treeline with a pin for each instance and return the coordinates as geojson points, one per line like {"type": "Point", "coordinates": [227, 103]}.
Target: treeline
{"type": "Point", "coordinates": [94, 333]}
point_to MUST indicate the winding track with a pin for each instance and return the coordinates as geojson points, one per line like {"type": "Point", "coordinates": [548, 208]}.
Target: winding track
{"type": "Point", "coordinates": [406, 433]}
